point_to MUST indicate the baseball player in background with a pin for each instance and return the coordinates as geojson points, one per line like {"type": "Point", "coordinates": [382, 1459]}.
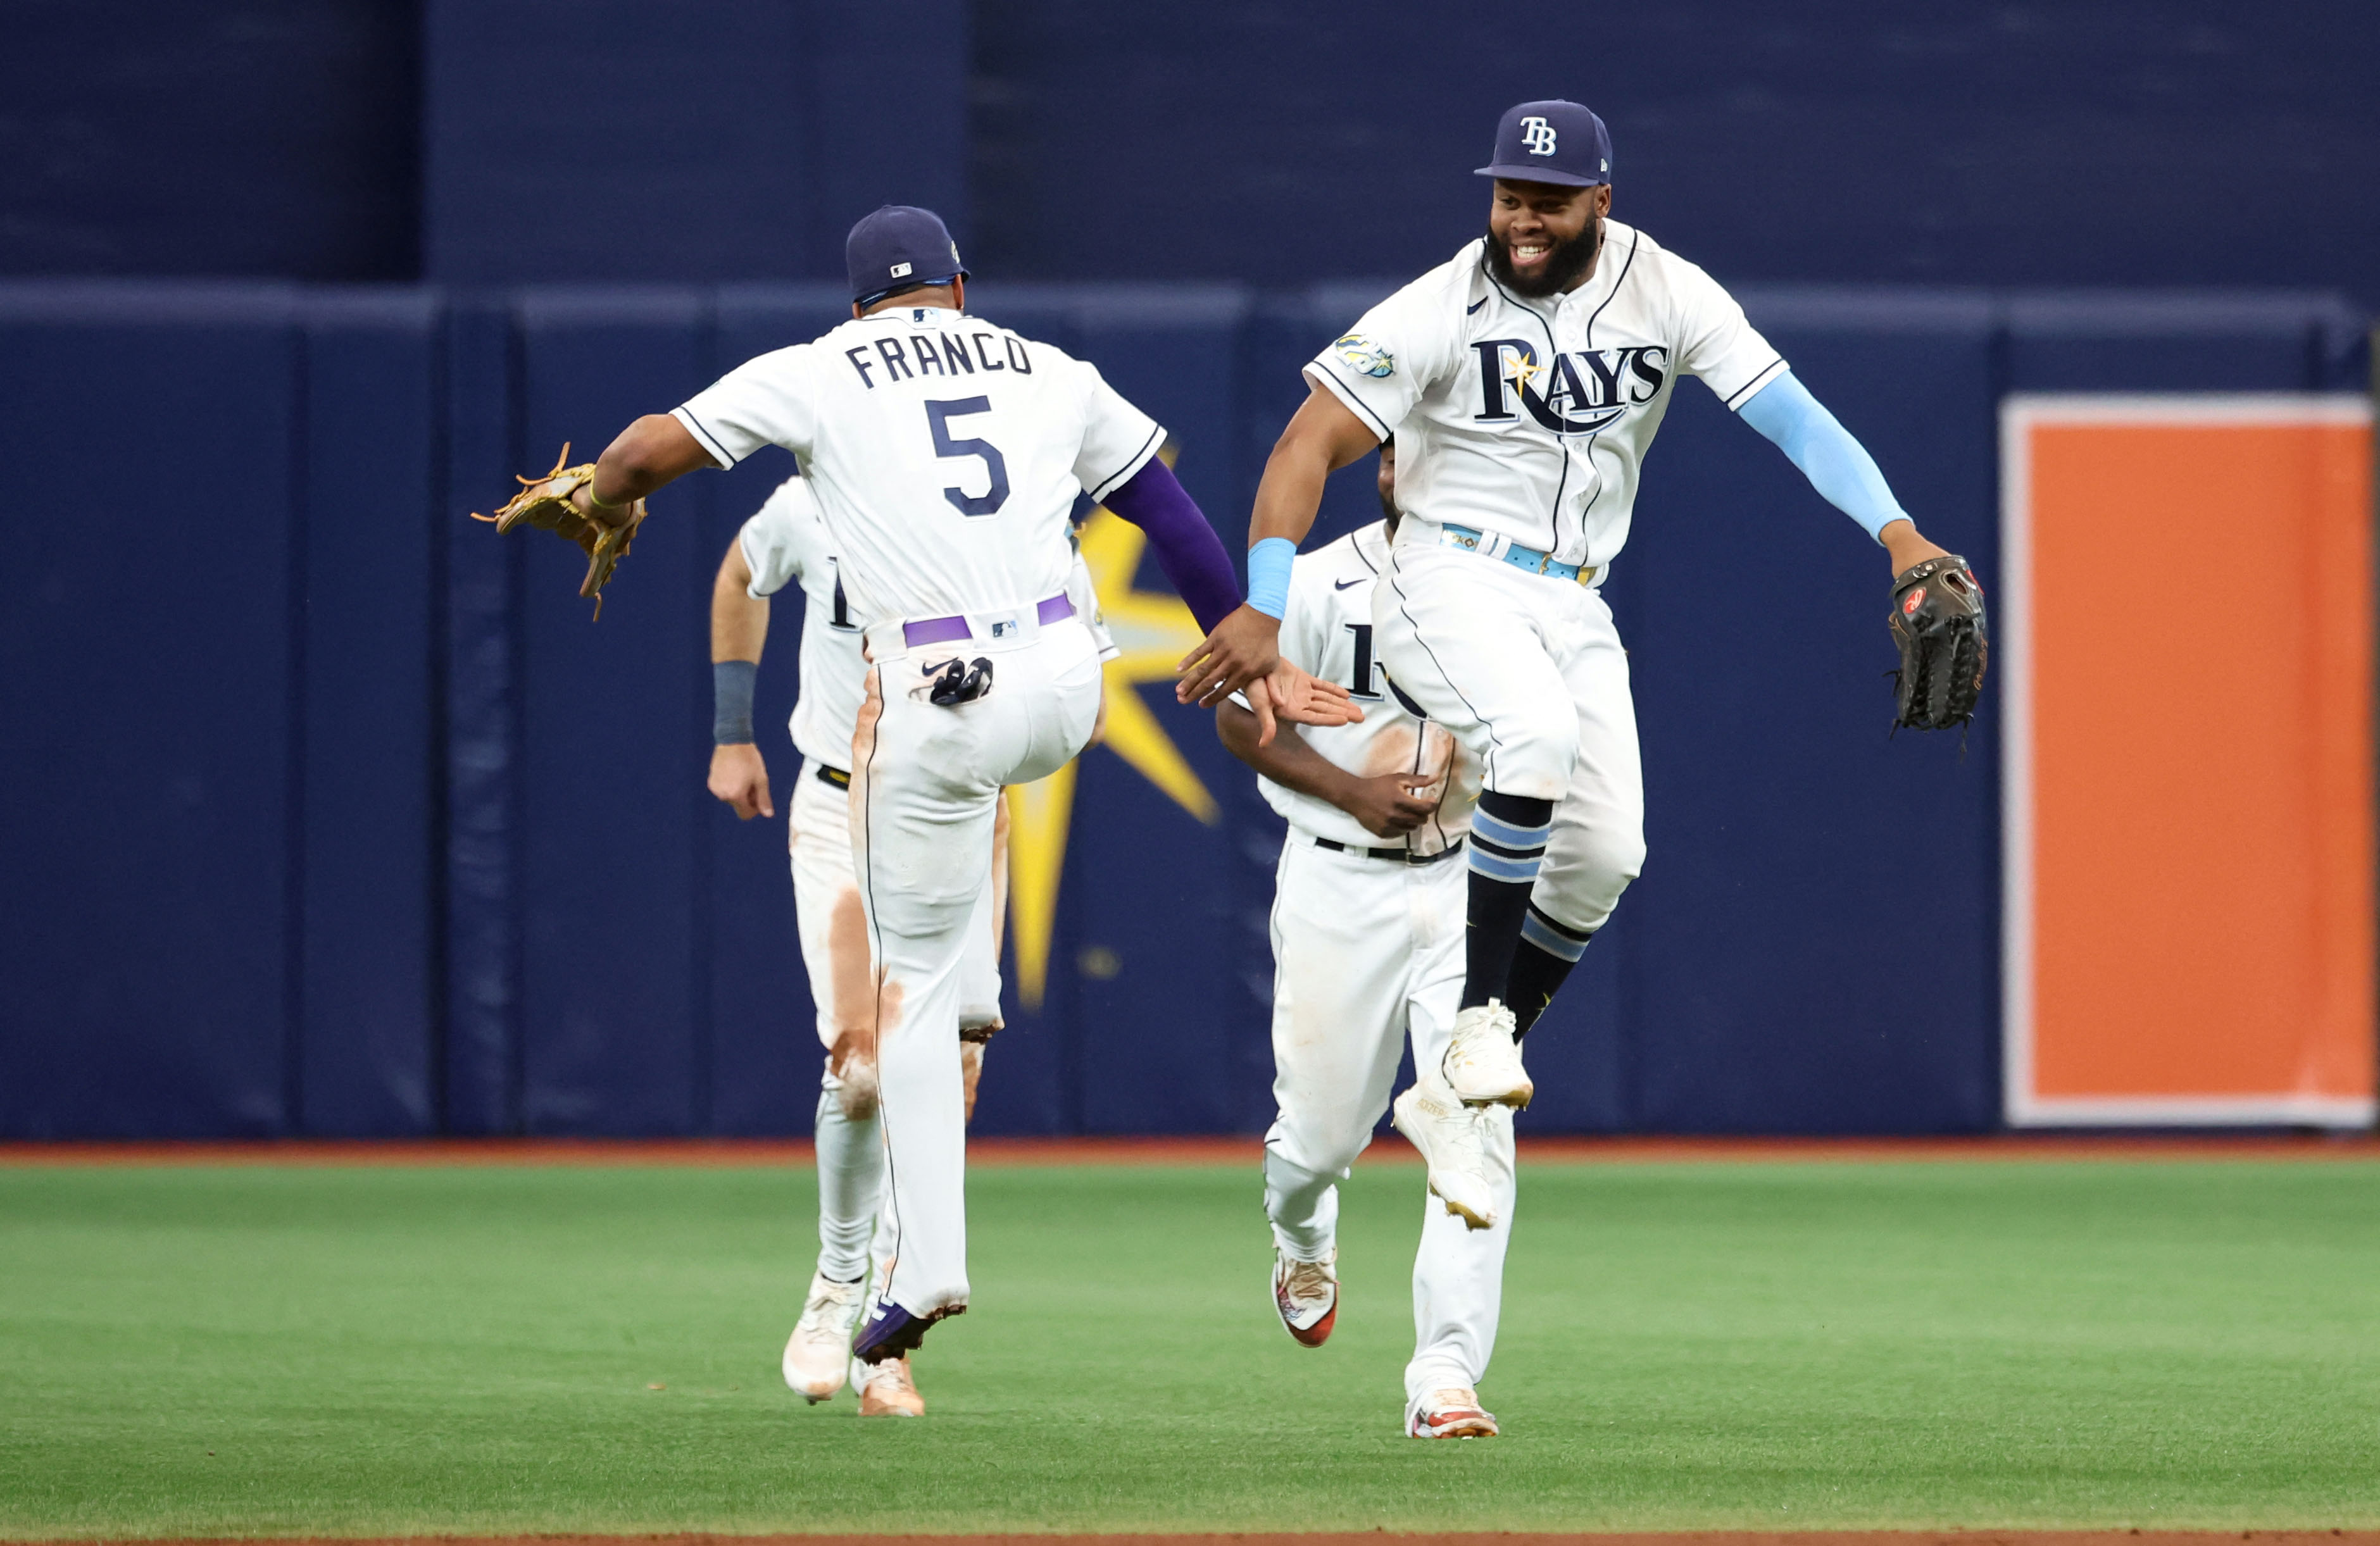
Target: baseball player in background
{"type": "Point", "coordinates": [1368, 948]}
{"type": "Point", "coordinates": [1522, 381]}
{"type": "Point", "coordinates": [946, 454]}
{"type": "Point", "coordinates": [786, 543]}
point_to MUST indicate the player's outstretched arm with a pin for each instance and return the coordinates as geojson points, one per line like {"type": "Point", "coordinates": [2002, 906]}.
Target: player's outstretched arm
{"type": "Point", "coordinates": [1194, 559]}
{"type": "Point", "coordinates": [739, 626]}
{"type": "Point", "coordinates": [651, 453]}
{"type": "Point", "coordinates": [1387, 806]}
{"type": "Point", "coordinates": [1837, 466]}
{"type": "Point", "coordinates": [1323, 436]}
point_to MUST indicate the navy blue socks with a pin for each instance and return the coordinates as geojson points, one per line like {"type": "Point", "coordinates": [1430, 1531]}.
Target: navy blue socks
{"type": "Point", "coordinates": [1508, 844]}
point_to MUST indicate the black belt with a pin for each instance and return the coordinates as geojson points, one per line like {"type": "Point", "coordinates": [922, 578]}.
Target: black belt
{"type": "Point", "coordinates": [1401, 855]}
{"type": "Point", "coordinates": [834, 776]}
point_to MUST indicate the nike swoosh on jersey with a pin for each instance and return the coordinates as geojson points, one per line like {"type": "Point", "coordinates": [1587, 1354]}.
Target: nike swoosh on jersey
{"type": "Point", "coordinates": [1344, 583]}
{"type": "Point", "coordinates": [1474, 305]}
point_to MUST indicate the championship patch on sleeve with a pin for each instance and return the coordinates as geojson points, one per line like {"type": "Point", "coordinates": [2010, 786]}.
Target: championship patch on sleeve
{"type": "Point", "coordinates": [1366, 355]}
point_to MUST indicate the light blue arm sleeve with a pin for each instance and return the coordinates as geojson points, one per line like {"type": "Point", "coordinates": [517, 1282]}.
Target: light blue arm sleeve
{"type": "Point", "coordinates": [1815, 441]}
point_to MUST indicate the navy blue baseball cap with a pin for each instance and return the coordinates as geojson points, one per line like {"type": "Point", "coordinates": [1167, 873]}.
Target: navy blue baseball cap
{"type": "Point", "coordinates": [1551, 142]}
{"type": "Point", "coordinates": [898, 246]}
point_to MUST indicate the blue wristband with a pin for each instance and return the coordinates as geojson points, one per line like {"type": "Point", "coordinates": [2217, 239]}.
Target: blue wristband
{"type": "Point", "coordinates": [1269, 564]}
{"type": "Point", "coordinates": [731, 701]}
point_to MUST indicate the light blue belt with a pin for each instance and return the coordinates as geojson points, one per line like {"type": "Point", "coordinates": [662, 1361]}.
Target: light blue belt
{"type": "Point", "coordinates": [1530, 559]}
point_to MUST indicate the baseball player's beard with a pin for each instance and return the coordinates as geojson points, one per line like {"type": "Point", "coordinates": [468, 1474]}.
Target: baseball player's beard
{"type": "Point", "coordinates": [1564, 265]}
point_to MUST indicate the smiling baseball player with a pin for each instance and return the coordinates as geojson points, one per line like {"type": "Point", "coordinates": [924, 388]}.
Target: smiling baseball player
{"type": "Point", "coordinates": [786, 543]}
{"type": "Point", "coordinates": [1522, 382]}
{"type": "Point", "coordinates": [1368, 950]}
{"type": "Point", "coordinates": [946, 454]}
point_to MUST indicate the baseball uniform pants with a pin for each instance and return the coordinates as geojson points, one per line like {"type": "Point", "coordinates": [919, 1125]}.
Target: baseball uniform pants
{"type": "Point", "coordinates": [926, 787]}
{"type": "Point", "coordinates": [1367, 952]}
{"type": "Point", "coordinates": [1527, 671]}
{"type": "Point", "coordinates": [854, 1223]}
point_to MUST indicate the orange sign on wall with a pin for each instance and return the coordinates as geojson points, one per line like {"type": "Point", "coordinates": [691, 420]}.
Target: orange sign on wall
{"type": "Point", "coordinates": [2183, 644]}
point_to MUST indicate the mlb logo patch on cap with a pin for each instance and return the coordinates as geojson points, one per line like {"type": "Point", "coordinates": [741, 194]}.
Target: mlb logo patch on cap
{"type": "Point", "coordinates": [898, 246]}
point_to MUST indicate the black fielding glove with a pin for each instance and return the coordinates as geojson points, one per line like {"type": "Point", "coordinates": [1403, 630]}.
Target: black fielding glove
{"type": "Point", "coordinates": [1937, 624]}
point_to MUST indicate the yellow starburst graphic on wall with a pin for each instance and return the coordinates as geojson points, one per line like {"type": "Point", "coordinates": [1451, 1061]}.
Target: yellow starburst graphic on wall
{"type": "Point", "coordinates": [1154, 630]}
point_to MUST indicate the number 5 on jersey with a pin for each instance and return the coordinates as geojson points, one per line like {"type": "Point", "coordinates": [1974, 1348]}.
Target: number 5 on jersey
{"type": "Point", "coordinates": [938, 418]}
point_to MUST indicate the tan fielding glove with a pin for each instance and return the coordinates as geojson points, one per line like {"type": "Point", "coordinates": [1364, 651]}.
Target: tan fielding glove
{"type": "Point", "coordinates": [547, 503]}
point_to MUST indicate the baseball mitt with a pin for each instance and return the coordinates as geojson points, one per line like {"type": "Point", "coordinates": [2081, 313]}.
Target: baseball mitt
{"type": "Point", "coordinates": [546, 503]}
{"type": "Point", "coordinates": [1937, 621]}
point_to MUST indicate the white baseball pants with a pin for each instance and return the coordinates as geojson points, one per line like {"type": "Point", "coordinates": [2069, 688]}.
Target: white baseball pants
{"type": "Point", "coordinates": [853, 1223]}
{"type": "Point", "coordinates": [1527, 671]}
{"type": "Point", "coordinates": [925, 790]}
{"type": "Point", "coordinates": [1367, 952]}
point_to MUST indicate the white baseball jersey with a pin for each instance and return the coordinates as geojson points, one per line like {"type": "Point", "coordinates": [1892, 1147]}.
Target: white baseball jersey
{"type": "Point", "coordinates": [945, 454]}
{"type": "Point", "coordinates": [1327, 629]}
{"type": "Point", "coordinates": [786, 542]}
{"type": "Point", "coordinates": [1530, 419]}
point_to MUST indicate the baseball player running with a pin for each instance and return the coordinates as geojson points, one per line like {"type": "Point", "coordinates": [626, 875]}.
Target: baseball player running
{"type": "Point", "coordinates": [1522, 382]}
{"type": "Point", "coordinates": [946, 454]}
{"type": "Point", "coordinates": [786, 542]}
{"type": "Point", "coordinates": [1368, 946]}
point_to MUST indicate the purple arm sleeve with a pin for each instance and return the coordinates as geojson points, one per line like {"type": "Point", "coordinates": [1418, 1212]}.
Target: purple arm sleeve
{"type": "Point", "coordinates": [1187, 548]}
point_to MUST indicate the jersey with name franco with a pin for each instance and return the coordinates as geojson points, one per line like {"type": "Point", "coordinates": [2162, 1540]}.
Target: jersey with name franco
{"type": "Point", "coordinates": [1530, 419]}
{"type": "Point", "coordinates": [785, 542]}
{"type": "Point", "coordinates": [1327, 628]}
{"type": "Point", "coordinates": [946, 454]}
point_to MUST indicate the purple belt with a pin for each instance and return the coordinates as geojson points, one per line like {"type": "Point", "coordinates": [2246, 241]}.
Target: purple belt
{"type": "Point", "coordinates": [950, 630]}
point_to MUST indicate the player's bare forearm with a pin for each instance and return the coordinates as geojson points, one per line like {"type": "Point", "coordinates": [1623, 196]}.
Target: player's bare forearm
{"type": "Point", "coordinates": [1287, 760]}
{"type": "Point", "coordinates": [650, 455]}
{"type": "Point", "coordinates": [1323, 436]}
{"type": "Point", "coordinates": [739, 620]}
{"type": "Point", "coordinates": [1907, 545]}
{"type": "Point", "coordinates": [1387, 806]}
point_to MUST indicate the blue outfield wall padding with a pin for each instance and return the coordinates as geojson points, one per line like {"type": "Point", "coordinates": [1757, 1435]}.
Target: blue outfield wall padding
{"type": "Point", "coordinates": [2213, 341]}
{"type": "Point", "coordinates": [1148, 885]}
{"type": "Point", "coordinates": [765, 1053]}
{"type": "Point", "coordinates": [614, 1033]}
{"type": "Point", "coordinates": [1805, 870]}
{"type": "Point", "coordinates": [478, 1063]}
{"type": "Point", "coordinates": [398, 839]}
{"type": "Point", "coordinates": [146, 620]}
{"type": "Point", "coordinates": [368, 997]}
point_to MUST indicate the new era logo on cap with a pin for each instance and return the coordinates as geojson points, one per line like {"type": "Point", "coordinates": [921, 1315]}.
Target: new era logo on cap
{"type": "Point", "coordinates": [1553, 141]}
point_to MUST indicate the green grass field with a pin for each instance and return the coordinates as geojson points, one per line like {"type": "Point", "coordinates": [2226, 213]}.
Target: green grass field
{"type": "Point", "coordinates": [228, 1351]}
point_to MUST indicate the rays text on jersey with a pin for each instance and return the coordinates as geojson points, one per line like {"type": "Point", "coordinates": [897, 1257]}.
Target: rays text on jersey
{"type": "Point", "coordinates": [1584, 389]}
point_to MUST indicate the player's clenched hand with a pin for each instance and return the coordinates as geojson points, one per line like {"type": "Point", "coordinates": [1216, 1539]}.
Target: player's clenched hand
{"type": "Point", "coordinates": [1292, 694]}
{"type": "Point", "coordinates": [1243, 647]}
{"type": "Point", "coordinates": [740, 777]}
{"type": "Point", "coordinates": [1392, 804]}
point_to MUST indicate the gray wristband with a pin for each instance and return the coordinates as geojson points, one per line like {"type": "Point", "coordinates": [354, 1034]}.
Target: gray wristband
{"type": "Point", "coordinates": [730, 697]}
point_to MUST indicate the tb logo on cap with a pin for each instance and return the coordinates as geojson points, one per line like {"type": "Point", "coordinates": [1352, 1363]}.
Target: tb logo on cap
{"type": "Point", "coordinates": [1538, 136]}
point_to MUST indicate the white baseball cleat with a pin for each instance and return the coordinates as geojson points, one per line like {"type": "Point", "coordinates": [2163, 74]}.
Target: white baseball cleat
{"type": "Point", "coordinates": [1452, 1412]}
{"type": "Point", "coordinates": [1449, 1135]}
{"type": "Point", "coordinates": [1483, 1063]}
{"type": "Point", "coordinates": [1306, 1295]}
{"type": "Point", "coordinates": [887, 1389]}
{"type": "Point", "coordinates": [820, 1350]}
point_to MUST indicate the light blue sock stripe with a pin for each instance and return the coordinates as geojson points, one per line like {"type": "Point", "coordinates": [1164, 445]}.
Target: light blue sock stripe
{"type": "Point", "coordinates": [1503, 834]}
{"type": "Point", "coordinates": [1551, 942]}
{"type": "Point", "coordinates": [1496, 867]}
